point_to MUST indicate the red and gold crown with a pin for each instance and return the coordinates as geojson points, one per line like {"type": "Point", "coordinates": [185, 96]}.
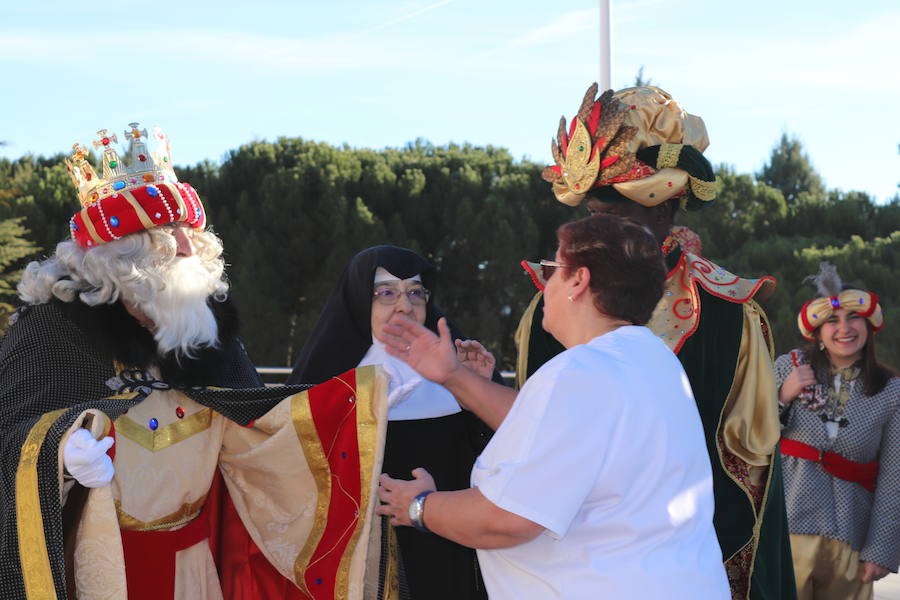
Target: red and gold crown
{"type": "Point", "coordinates": [143, 194]}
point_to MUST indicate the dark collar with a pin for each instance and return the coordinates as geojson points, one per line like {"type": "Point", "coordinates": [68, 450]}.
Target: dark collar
{"type": "Point", "coordinates": [117, 336]}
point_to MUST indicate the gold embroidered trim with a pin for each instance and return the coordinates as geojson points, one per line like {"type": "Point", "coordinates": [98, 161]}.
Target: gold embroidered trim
{"type": "Point", "coordinates": [677, 312]}
{"type": "Point", "coordinates": [366, 434]}
{"type": "Point", "coordinates": [187, 513]}
{"type": "Point", "coordinates": [766, 327]}
{"type": "Point", "coordinates": [392, 569]}
{"type": "Point", "coordinates": [581, 166]}
{"type": "Point", "coordinates": [179, 200]}
{"type": "Point", "coordinates": [167, 436]}
{"type": "Point", "coordinates": [35, 560]}
{"type": "Point", "coordinates": [668, 155]}
{"type": "Point", "coordinates": [523, 340]}
{"type": "Point", "coordinates": [92, 231]}
{"type": "Point", "coordinates": [142, 215]}
{"type": "Point", "coordinates": [703, 190]}
{"type": "Point", "coordinates": [301, 415]}
{"type": "Point", "coordinates": [759, 520]}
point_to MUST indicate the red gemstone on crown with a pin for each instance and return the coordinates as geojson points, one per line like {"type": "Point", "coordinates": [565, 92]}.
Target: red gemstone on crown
{"type": "Point", "coordinates": [142, 157]}
{"type": "Point", "coordinates": [105, 141]}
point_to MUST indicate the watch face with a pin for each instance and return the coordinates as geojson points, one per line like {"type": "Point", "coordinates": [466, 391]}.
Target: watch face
{"type": "Point", "coordinates": [415, 510]}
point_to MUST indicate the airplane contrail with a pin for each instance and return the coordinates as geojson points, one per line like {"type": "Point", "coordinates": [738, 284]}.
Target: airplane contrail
{"type": "Point", "coordinates": [415, 13]}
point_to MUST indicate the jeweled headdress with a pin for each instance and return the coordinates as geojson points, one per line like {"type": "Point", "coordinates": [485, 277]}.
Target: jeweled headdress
{"type": "Point", "coordinates": [828, 284]}
{"type": "Point", "coordinates": [129, 197]}
{"type": "Point", "coordinates": [637, 141]}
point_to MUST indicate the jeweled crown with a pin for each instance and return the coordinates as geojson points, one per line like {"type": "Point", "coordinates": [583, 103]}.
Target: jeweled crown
{"type": "Point", "coordinates": [143, 168]}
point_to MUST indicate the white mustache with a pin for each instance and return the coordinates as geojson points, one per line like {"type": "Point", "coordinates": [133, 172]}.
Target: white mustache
{"type": "Point", "coordinates": [180, 311]}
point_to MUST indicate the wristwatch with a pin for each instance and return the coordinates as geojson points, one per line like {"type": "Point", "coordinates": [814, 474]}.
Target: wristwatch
{"type": "Point", "coordinates": [416, 511]}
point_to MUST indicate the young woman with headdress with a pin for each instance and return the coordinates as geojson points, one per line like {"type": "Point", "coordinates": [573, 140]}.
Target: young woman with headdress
{"type": "Point", "coordinates": [840, 411]}
{"type": "Point", "coordinates": [426, 428]}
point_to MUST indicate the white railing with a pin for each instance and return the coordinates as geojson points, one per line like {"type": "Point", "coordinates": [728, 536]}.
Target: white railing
{"type": "Point", "coordinates": [508, 376]}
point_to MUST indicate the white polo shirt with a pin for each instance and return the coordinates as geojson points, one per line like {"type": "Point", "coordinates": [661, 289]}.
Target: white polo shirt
{"type": "Point", "coordinates": [604, 448]}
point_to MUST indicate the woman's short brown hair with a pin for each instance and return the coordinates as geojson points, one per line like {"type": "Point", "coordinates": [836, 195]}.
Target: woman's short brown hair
{"type": "Point", "coordinates": [628, 273]}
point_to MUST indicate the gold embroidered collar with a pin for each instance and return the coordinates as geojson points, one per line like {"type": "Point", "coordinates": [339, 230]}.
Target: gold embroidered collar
{"type": "Point", "coordinates": [677, 315]}
{"type": "Point", "coordinates": [164, 436]}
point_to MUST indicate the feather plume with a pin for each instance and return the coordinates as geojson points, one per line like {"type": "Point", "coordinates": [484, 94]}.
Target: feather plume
{"type": "Point", "coordinates": [619, 147]}
{"type": "Point", "coordinates": [613, 115]}
{"type": "Point", "coordinates": [561, 136]}
{"type": "Point", "coordinates": [827, 281]}
{"type": "Point", "coordinates": [552, 174]}
{"type": "Point", "coordinates": [554, 150]}
{"type": "Point", "coordinates": [587, 103]}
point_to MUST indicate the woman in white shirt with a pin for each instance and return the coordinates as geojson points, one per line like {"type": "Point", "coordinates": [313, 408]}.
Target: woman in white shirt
{"type": "Point", "coordinates": [597, 482]}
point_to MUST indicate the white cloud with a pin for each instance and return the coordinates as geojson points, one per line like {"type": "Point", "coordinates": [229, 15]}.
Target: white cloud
{"type": "Point", "coordinates": [857, 58]}
{"type": "Point", "coordinates": [198, 49]}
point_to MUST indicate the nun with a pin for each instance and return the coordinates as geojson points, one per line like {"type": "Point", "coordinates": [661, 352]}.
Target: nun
{"type": "Point", "coordinates": [426, 426]}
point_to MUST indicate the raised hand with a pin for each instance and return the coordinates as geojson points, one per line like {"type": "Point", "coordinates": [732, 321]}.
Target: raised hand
{"type": "Point", "coordinates": [801, 377]}
{"type": "Point", "coordinates": [433, 357]}
{"type": "Point", "coordinates": [474, 356]}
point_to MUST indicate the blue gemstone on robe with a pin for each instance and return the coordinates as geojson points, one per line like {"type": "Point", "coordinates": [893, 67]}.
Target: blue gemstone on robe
{"type": "Point", "coordinates": [152, 192]}
{"type": "Point", "coordinates": [118, 185]}
{"type": "Point", "coordinates": [114, 221]}
{"type": "Point", "coordinates": [318, 581]}
{"type": "Point", "coordinates": [153, 424]}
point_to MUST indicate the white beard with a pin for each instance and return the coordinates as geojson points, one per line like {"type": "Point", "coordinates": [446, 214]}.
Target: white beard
{"type": "Point", "coordinates": [183, 321]}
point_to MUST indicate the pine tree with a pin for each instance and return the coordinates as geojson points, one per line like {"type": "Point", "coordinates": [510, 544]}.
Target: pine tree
{"type": "Point", "coordinates": [639, 80]}
{"type": "Point", "coordinates": [790, 170]}
{"type": "Point", "coordinates": [13, 248]}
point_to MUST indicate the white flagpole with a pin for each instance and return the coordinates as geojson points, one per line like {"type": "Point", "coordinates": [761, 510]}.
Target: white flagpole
{"type": "Point", "coordinates": [605, 57]}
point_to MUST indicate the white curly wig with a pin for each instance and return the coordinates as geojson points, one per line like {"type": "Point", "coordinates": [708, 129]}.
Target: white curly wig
{"type": "Point", "coordinates": [141, 269]}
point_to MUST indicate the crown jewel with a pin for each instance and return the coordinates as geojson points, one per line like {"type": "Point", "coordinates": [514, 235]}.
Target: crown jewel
{"type": "Point", "coordinates": [129, 197]}
{"type": "Point", "coordinates": [143, 168]}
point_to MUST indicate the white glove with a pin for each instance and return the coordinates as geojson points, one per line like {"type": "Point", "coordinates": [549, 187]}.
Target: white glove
{"type": "Point", "coordinates": [86, 460]}
{"type": "Point", "coordinates": [397, 391]}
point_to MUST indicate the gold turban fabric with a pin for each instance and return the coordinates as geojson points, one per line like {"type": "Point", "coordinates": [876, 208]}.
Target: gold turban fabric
{"type": "Point", "coordinates": [815, 312]}
{"type": "Point", "coordinates": [637, 140]}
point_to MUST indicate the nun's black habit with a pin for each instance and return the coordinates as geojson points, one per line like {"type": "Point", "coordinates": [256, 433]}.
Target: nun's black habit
{"type": "Point", "coordinates": [445, 446]}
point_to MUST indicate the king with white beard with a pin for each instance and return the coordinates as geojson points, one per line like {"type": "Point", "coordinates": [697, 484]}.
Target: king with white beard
{"type": "Point", "coordinates": [136, 463]}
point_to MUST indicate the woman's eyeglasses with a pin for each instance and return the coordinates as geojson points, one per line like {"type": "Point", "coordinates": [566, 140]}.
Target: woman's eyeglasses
{"type": "Point", "coordinates": [389, 295]}
{"type": "Point", "coordinates": [549, 266]}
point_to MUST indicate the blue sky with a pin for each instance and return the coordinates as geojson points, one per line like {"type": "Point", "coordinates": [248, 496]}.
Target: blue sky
{"type": "Point", "coordinates": [382, 73]}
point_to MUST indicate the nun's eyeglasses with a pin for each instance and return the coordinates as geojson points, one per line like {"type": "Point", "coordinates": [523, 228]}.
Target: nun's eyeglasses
{"type": "Point", "coordinates": [389, 295]}
{"type": "Point", "coordinates": [549, 266]}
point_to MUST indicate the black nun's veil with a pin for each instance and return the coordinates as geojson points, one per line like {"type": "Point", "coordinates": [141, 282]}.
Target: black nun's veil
{"type": "Point", "coordinates": [343, 333]}
{"type": "Point", "coordinates": [434, 568]}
